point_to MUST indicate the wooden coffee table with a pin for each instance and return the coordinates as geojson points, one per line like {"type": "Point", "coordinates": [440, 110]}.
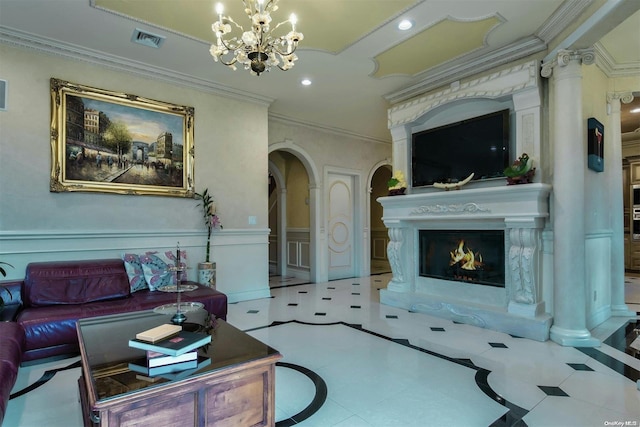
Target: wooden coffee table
{"type": "Point", "coordinates": [235, 388]}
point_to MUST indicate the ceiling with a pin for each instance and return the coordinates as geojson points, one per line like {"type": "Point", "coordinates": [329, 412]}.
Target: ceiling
{"type": "Point", "coordinates": [357, 59]}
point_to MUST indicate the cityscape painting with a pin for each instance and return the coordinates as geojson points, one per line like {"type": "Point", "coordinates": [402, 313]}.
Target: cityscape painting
{"type": "Point", "coordinates": [104, 141]}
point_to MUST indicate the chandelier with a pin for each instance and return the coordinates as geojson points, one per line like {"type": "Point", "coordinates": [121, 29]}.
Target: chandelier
{"type": "Point", "coordinates": [259, 48]}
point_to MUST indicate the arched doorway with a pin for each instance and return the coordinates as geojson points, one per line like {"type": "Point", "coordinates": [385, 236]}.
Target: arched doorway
{"type": "Point", "coordinates": [378, 235]}
{"type": "Point", "coordinates": [291, 252]}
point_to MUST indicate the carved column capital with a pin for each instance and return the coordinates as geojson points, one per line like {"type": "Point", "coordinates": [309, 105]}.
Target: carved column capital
{"type": "Point", "coordinates": [623, 97]}
{"type": "Point", "coordinates": [565, 57]}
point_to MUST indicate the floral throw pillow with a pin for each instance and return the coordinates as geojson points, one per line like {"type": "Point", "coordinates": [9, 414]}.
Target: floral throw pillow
{"type": "Point", "coordinates": [169, 257]}
{"type": "Point", "coordinates": [157, 273]}
{"type": "Point", "coordinates": [157, 268]}
{"type": "Point", "coordinates": [134, 271]}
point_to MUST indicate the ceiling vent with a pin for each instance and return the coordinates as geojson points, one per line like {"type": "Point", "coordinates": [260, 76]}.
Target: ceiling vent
{"type": "Point", "coordinates": [147, 39]}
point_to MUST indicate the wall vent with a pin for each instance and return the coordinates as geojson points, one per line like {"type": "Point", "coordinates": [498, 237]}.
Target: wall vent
{"type": "Point", "coordinates": [147, 39]}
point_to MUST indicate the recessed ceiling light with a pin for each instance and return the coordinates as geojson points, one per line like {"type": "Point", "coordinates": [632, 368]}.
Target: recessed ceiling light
{"type": "Point", "coordinates": [635, 110]}
{"type": "Point", "coordinates": [305, 82]}
{"type": "Point", "coordinates": [405, 24]}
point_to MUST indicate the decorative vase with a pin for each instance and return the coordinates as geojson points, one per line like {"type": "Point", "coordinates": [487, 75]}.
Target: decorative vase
{"type": "Point", "coordinates": [522, 179]}
{"type": "Point", "coordinates": [397, 191]}
{"type": "Point", "coordinates": [207, 274]}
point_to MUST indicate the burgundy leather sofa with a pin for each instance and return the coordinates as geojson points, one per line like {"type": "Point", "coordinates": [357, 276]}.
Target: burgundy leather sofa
{"type": "Point", "coordinates": [56, 294]}
{"type": "Point", "coordinates": [46, 305]}
{"type": "Point", "coordinates": [11, 348]}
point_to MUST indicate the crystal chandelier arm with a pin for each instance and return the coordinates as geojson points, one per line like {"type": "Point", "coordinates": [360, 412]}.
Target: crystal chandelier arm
{"type": "Point", "coordinates": [271, 4]}
{"type": "Point", "coordinates": [229, 19]}
{"type": "Point", "coordinates": [253, 6]}
{"type": "Point", "coordinates": [228, 44]}
{"type": "Point", "coordinates": [275, 48]}
{"type": "Point", "coordinates": [230, 63]}
{"type": "Point", "coordinates": [276, 27]}
{"type": "Point", "coordinates": [248, 7]}
{"type": "Point", "coordinates": [265, 7]}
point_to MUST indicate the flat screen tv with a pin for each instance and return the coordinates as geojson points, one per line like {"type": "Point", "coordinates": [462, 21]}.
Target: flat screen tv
{"type": "Point", "coordinates": [450, 153]}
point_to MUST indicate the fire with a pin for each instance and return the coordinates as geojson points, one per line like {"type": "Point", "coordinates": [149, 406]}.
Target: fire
{"type": "Point", "coordinates": [465, 258]}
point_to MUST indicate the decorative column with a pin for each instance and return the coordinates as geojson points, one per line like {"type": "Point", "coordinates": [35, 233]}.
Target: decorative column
{"type": "Point", "coordinates": [569, 162]}
{"type": "Point", "coordinates": [613, 164]}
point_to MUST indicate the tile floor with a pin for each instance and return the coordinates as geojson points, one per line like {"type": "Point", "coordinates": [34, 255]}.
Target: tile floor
{"type": "Point", "coordinates": [395, 368]}
{"type": "Point", "coordinates": [350, 361]}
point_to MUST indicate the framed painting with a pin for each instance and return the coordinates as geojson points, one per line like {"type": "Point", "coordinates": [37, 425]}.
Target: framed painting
{"type": "Point", "coordinates": [108, 142]}
{"type": "Point", "coordinates": [595, 141]}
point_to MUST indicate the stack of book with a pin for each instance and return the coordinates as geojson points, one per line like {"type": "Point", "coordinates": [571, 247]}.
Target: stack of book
{"type": "Point", "coordinates": [169, 350]}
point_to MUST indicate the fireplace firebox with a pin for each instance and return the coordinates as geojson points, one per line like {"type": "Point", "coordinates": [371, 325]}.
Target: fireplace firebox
{"type": "Point", "coordinates": [470, 256]}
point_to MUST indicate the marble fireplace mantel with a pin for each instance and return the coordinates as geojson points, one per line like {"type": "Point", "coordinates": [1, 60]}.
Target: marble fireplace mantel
{"type": "Point", "coordinates": [519, 210]}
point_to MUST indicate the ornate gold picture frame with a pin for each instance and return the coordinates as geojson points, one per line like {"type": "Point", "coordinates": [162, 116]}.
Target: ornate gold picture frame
{"type": "Point", "coordinates": [108, 142]}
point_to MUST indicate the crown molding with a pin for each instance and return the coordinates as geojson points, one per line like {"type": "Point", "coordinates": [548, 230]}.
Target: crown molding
{"type": "Point", "coordinates": [504, 82]}
{"type": "Point", "coordinates": [568, 12]}
{"type": "Point", "coordinates": [26, 40]}
{"type": "Point", "coordinates": [631, 139]}
{"type": "Point", "coordinates": [610, 68]}
{"type": "Point", "coordinates": [281, 118]}
{"type": "Point", "coordinates": [466, 67]}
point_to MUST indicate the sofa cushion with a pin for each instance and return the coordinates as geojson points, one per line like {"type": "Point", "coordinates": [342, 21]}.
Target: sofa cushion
{"type": "Point", "coordinates": [157, 268]}
{"type": "Point", "coordinates": [56, 324]}
{"type": "Point", "coordinates": [11, 347]}
{"type": "Point", "coordinates": [51, 330]}
{"type": "Point", "coordinates": [134, 272]}
{"type": "Point", "coordinates": [13, 342]}
{"type": "Point", "coordinates": [74, 282]}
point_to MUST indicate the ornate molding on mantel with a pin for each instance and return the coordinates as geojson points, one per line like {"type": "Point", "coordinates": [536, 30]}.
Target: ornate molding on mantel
{"type": "Point", "coordinates": [452, 209]}
{"type": "Point", "coordinates": [495, 85]}
{"type": "Point", "coordinates": [465, 67]}
{"type": "Point", "coordinates": [519, 206]}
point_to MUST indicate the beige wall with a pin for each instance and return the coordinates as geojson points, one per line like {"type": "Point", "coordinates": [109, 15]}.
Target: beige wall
{"type": "Point", "coordinates": [328, 148]}
{"type": "Point", "coordinates": [232, 140]}
{"type": "Point", "coordinates": [228, 134]}
{"type": "Point", "coordinates": [322, 151]}
{"type": "Point", "coordinates": [297, 185]}
{"type": "Point", "coordinates": [297, 194]}
{"type": "Point", "coordinates": [37, 225]}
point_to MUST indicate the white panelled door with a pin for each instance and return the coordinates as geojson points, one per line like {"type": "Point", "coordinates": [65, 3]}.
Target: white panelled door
{"type": "Point", "coordinates": [340, 229]}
